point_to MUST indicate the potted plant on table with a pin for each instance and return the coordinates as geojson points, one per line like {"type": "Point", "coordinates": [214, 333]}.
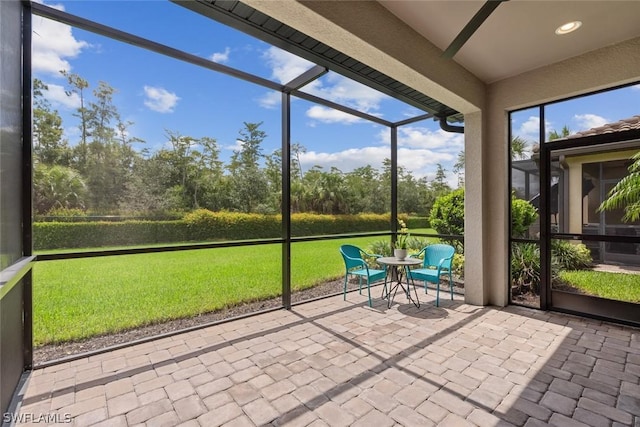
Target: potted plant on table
{"type": "Point", "coordinates": [401, 250]}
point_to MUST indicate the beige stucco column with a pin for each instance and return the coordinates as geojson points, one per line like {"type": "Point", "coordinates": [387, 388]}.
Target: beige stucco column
{"type": "Point", "coordinates": [475, 215]}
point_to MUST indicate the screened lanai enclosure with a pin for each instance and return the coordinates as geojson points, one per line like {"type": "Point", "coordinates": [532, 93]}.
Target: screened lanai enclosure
{"type": "Point", "coordinates": [592, 254]}
{"type": "Point", "coordinates": [165, 177]}
{"type": "Point", "coordinates": [146, 266]}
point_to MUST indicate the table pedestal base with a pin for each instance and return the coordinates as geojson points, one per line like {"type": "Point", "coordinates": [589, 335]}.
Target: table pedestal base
{"type": "Point", "coordinates": [399, 272]}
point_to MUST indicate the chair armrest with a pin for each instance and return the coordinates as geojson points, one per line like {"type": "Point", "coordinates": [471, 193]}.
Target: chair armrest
{"type": "Point", "coordinates": [442, 261]}
{"type": "Point", "coordinates": [373, 255]}
{"type": "Point", "coordinates": [360, 260]}
{"type": "Point", "coordinates": [420, 253]}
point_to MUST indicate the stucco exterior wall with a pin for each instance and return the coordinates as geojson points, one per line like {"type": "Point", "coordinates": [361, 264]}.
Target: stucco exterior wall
{"type": "Point", "coordinates": [574, 163]}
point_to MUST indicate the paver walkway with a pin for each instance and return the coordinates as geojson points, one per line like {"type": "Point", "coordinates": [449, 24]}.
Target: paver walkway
{"type": "Point", "coordinates": [338, 363]}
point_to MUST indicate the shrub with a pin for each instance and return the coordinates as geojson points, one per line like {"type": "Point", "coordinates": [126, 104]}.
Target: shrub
{"type": "Point", "coordinates": [447, 216]}
{"type": "Point", "coordinates": [62, 214]}
{"type": "Point", "coordinates": [380, 247]}
{"type": "Point", "coordinates": [457, 266]}
{"type": "Point", "coordinates": [200, 225]}
{"type": "Point", "coordinates": [383, 247]}
{"type": "Point", "coordinates": [205, 225]}
{"type": "Point", "coordinates": [523, 214]}
{"type": "Point", "coordinates": [525, 267]}
{"type": "Point", "coordinates": [67, 212]}
{"type": "Point", "coordinates": [416, 244]}
{"type": "Point", "coordinates": [417, 222]}
{"type": "Point", "coordinates": [306, 224]}
{"type": "Point", "coordinates": [570, 256]}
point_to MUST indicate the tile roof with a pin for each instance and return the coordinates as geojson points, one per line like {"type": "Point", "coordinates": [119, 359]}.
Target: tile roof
{"type": "Point", "coordinates": [632, 123]}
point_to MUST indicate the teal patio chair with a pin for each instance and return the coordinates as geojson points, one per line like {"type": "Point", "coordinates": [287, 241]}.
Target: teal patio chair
{"type": "Point", "coordinates": [356, 266]}
{"type": "Point", "coordinates": [437, 261]}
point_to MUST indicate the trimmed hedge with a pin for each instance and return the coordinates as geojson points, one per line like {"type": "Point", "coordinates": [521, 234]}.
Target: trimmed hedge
{"type": "Point", "coordinates": [198, 226]}
{"type": "Point", "coordinates": [63, 235]}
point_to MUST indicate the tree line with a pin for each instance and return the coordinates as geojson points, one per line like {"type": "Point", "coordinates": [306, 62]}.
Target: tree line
{"type": "Point", "coordinates": [103, 174]}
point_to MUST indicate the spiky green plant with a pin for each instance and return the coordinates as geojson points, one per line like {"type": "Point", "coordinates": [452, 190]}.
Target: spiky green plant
{"type": "Point", "coordinates": [626, 193]}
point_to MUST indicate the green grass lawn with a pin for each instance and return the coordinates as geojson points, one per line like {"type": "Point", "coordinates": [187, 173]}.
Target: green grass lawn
{"type": "Point", "coordinates": [615, 286]}
{"type": "Point", "coordinates": [79, 298]}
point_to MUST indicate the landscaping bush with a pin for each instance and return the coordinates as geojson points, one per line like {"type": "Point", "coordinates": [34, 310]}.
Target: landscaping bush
{"type": "Point", "coordinates": [380, 247]}
{"type": "Point", "coordinates": [571, 256]}
{"type": "Point", "coordinates": [447, 214]}
{"type": "Point", "coordinates": [200, 225]}
{"type": "Point", "coordinates": [205, 225]}
{"type": "Point", "coordinates": [417, 221]}
{"type": "Point", "coordinates": [60, 235]}
{"type": "Point", "coordinates": [523, 214]}
{"type": "Point", "coordinates": [525, 267]}
{"type": "Point", "coordinates": [305, 224]}
{"type": "Point", "coordinates": [457, 266]}
{"type": "Point", "coordinates": [447, 217]}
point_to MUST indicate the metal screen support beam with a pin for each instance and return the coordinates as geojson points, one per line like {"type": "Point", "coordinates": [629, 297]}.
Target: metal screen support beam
{"type": "Point", "coordinates": [394, 182]}
{"type": "Point", "coordinates": [305, 78]}
{"type": "Point", "coordinates": [545, 218]}
{"type": "Point", "coordinates": [472, 26]}
{"type": "Point", "coordinates": [27, 180]}
{"type": "Point", "coordinates": [286, 200]}
{"type": "Point", "coordinates": [122, 36]}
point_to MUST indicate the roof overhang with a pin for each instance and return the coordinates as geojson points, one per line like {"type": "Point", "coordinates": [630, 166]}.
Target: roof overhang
{"type": "Point", "coordinates": [251, 21]}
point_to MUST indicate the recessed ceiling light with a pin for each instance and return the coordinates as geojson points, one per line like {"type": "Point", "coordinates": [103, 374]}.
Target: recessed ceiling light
{"type": "Point", "coordinates": [569, 27]}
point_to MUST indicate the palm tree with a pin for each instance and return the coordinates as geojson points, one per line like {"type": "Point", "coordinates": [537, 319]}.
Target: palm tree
{"type": "Point", "coordinates": [554, 134]}
{"type": "Point", "coordinates": [519, 148]}
{"type": "Point", "coordinates": [626, 193]}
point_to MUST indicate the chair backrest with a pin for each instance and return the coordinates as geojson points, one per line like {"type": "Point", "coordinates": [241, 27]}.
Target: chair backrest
{"type": "Point", "coordinates": [434, 253]}
{"type": "Point", "coordinates": [352, 256]}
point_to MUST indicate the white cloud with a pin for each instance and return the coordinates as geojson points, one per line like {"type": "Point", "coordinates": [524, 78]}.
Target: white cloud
{"type": "Point", "coordinates": [285, 66]}
{"type": "Point", "coordinates": [221, 57]}
{"type": "Point", "coordinates": [329, 115]}
{"type": "Point", "coordinates": [635, 87]}
{"type": "Point", "coordinates": [419, 162]}
{"type": "Point", "coordinates": [57, 96]}
{"type": "Point", "coordinates": [423, 138]}
{"type": "Point", "coordinates": [270, 100]}
{"type": "Point", "coordinates": [589, 121]}
{"type": "Point", "coordinates": [348, 92]}
{"type": "Point", "coordinates": [159, 99]}
{"type": "Point", "coordinates": [236, 146]}
{"type": "Point", "coordinates": [53, 44]}
{"type": "Point", "coordinates": [529, 129]}
{"type": "Point", "coordinates": [346, 160]}
{"type": "Point", "coordinates": [334, 87]}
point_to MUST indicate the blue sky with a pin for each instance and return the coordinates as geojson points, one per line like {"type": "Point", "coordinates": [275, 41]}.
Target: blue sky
{"type": "Point", "coordinates": [158, 94]}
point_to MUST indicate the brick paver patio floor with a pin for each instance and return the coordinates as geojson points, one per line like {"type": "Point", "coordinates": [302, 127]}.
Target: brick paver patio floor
{"type": "Point", "coordinates": [338, 363]}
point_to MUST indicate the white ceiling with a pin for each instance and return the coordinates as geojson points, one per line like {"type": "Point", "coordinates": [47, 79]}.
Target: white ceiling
{"type": "Point", "coordinates": [520, 34]}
